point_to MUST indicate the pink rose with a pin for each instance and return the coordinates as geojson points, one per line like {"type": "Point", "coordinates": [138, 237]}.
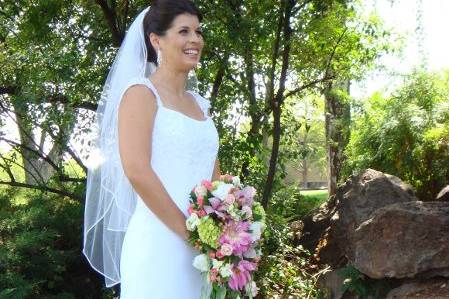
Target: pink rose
{"type": "Point", "coordinates": [226, 249]}
{"type": "Point", "coordinates": [213, 274]}
{"type": "Point", "coordinates": [218, 254]}
{"type": "Point", "coordinates": [207, 184]}
{"type": "Point", "coordinates": [229, 200]}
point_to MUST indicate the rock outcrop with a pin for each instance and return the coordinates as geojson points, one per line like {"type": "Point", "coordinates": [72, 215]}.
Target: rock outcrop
{"type": "Point", "coordinates": [409, 239]}
{"type": "Point", "coordinates": [375, 224]}
{"type": "Point", "coordinates": [330, 230]}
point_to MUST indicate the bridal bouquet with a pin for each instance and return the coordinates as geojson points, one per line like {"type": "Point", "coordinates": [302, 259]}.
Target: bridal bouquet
{"type": "Point", "coordinates": [226, 225]}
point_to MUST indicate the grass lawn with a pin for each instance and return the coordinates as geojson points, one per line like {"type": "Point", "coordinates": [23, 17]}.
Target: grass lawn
{"type": "Point", "coordinates": [312, 199]}
{"type": "Point", "coordinates": [322, 193]}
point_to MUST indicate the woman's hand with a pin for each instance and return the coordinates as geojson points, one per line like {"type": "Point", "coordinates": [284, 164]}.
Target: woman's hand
{"type": "Point", "coordinates": [185, 234]}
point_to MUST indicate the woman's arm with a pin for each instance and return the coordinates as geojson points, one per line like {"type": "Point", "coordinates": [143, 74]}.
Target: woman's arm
{"type": "Point", "coordinates": [135, 124]}
{"type": "Point", "coordinates": [216, 175]}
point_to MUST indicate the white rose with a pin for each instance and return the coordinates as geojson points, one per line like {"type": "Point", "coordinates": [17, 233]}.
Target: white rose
{"type": "Point", "coordinates": [217, 264]}
{"type": "Point", "coordinates": [251, 289]}
{"type": "Point", "coordinates": [201, 262]}
{"type": "Point", "coordinates": [226, 270]}
{"type": "Point", "coordinates": [226, 249]}
{"type": "Point", "coordinates": [256, 230]}
{"type": "Point", "coordinates": [247, 211]}
{"type": "Point", "coordinates": [236, 180]}
{"type": "Point", "coordinates": [222, 191]}
{"type": "Point", "coordinates": [192, 222]}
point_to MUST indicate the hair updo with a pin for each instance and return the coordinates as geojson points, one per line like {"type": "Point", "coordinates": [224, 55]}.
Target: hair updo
{"type": "Point", "coordinates": [160, 17]}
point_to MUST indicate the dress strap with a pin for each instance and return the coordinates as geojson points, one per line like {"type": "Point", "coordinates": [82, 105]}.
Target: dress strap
{"type": "Point", "coordinates": [153, 89]}
{"type": "Point", "coordinates": [202, 102]}
{"type": "Point", "coordinates": [147, 83]}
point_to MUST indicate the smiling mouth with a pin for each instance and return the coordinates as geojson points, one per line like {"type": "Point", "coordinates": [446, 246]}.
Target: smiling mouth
{"type": "Point", "coordinates": [191, 52]}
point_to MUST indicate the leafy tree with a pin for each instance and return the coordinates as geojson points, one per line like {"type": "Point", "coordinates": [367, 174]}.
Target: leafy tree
{"type": "Point", "coordinates": [406, 134]}
{"type": "Point", "coordinates": [261, 58]}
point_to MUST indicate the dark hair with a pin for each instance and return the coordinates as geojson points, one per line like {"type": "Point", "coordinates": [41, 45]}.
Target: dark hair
{"type": "Point", "coordinates": [160, 17]}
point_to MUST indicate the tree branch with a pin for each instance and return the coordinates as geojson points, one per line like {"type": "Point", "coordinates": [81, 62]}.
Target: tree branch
{"type": "Point", "coordinates": [42, 188]}
{"type": "Point", "coordinates": [307, 85]}
{"type": "Point", "coordinates": [329, 61]}
{"type": "Point", "coordinates": [21, 166]}
{"type": "Point", "coordinates": [111, 19]}
{"type": "Point", "coordinates": [59, 98]}
{"type": "Point", "coordinates": [219, 78]}
{"type": "Point", "coordinates": [69, 150]}
{"type": "Point", "coordinates": [38, 153]}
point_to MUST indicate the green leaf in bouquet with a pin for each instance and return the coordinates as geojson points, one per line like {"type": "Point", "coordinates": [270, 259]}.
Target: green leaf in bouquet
{"type": "Point", "coordinates": [221, 293]}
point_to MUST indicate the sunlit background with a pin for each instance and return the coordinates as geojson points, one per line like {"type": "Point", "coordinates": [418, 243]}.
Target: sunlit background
{"type": "Point", "coordinates": [424, 26]}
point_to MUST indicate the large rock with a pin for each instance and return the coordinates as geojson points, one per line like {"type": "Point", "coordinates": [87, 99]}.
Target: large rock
{"type": "Point", "coordinates": [408, 239]}
{"type": "Point", "coordinates": [443, 195]}
{"type": "Point", "coordinates": [330, 229]}
{"type": "Point", "coordinates": [431, 289]}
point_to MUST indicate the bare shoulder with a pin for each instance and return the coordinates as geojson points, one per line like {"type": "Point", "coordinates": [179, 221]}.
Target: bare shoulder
{"type": "Point", "coordinates": [137, 97]}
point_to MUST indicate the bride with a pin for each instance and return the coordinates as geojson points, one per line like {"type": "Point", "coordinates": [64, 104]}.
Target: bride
{"type": "Point", "coordinates": [155, 140]}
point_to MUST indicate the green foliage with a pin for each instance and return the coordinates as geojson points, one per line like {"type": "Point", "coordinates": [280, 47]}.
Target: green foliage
{"type": "Point", "coordinates": [406, 134]}
{"type": "Point", "coordinates": [359, 284]}
{"type": "Point", "coordinates": [285, 270]}
{"type": "Point", "coordinates": [56, 55]}
{"type": "Point", "coordinates": [291, 204]}
{"type": "Point", "coordinates": [354, 281]}
{"type": "Point", "coordinates": [40, 256]}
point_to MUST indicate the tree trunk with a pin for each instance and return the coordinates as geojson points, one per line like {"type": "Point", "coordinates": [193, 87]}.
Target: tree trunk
{"type": "Point", "coordinates": [337, 119]}
{"type": "Point", "coordinates": [304, 174]}
{"type": "Point", "coordinates": [277, 101]}
{"type": "Point", "coordinates": [274, 154]}
{"type": "Point", "coordinates": [37, 170]}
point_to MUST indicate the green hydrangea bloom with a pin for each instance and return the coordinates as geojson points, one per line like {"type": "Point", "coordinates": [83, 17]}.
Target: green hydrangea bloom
{"type": "Point", "coordinates": [233, 211]}
{"type": "Point", "coordinates": [209, 232]}
{"type": "Point", "coordinates": [258, 212]}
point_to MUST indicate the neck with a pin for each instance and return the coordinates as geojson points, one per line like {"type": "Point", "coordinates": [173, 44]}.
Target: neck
{"type": "Point", "coordinates": [172, 80]}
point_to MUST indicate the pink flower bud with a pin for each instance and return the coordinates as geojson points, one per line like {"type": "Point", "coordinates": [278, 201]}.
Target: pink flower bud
{"type": "Point", "coordinates": [219, 254]}
{"type": "Point", "coordinates": [207, 184]}
{"type": "Point", "coordinates": [190, 210]}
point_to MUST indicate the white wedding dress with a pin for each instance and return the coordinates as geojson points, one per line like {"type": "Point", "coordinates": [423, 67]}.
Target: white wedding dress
{"type": "Point", "coordinates": [155, 262]}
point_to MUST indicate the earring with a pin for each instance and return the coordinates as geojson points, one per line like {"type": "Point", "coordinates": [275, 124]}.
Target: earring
{"type": "Point", "coordinates": [159, 57]}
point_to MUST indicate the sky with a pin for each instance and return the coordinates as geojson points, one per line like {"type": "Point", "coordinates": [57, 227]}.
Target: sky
{"type": "Point", "coordinates": [401, 16]}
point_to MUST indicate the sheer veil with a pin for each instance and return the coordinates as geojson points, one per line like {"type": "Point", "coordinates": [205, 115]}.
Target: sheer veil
{"type": "Point", "coordinates": [110, 198]}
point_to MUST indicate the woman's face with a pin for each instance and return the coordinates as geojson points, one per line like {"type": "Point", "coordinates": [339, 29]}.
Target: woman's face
{"type": "Point", "coordinates": [182, 44]}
